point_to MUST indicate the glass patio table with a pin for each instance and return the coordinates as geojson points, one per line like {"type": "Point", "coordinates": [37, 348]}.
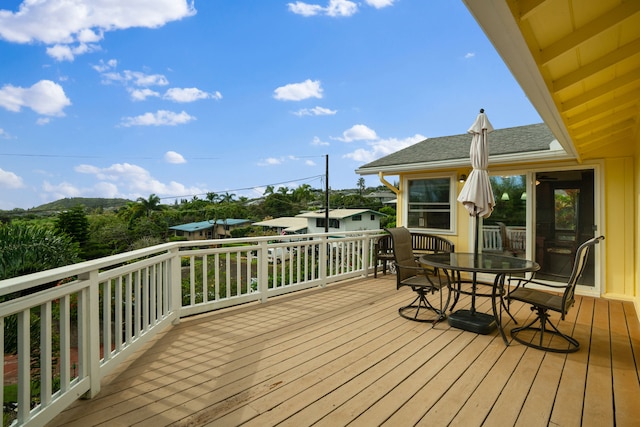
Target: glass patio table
{"type": "Point", "coordinates": [499, 265]}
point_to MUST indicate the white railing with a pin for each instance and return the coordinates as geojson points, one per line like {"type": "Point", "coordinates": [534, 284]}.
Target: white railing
{"type": "Point", "coordinates": [494, 240]}
{"type": "Point", "coordinates": [107, 309]}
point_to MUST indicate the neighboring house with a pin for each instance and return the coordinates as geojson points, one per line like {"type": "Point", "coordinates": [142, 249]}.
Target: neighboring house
{"type": "Point", "coordinates": [209, 229]}
{"type": "Point", "coordinates": [284, 225]}
{"type": "Point", "coordinates": [342, 220]}
{"type": "Point", "coordinates": [578, 62]}
{"type": "Point", "coordinates": [384, 197]}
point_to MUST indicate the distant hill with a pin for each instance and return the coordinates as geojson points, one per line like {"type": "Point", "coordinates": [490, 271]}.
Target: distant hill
{"type": "Point", "coordinates": [68, 203]}
{"type": "Point", "coordinates": [88, 202]}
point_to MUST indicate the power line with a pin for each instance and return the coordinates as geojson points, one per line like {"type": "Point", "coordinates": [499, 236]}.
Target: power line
{"type": "Point", "coordinates": [310, 178]}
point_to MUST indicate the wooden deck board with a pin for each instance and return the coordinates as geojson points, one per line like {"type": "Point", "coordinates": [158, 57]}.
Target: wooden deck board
{"type": "Point", "coordinates": [598, 400]}
{"type": "Point", "coordinates": [342, 355]}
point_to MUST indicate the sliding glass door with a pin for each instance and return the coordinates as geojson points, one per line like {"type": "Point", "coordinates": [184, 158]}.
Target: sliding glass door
{"type": "Point", "coordinates": [547, 225]}
{"type": "Point", "coordinates": [564, 218]}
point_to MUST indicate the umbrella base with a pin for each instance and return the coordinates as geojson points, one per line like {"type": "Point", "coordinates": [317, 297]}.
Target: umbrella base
{"type": "Point", "coordinates": [479, 323]}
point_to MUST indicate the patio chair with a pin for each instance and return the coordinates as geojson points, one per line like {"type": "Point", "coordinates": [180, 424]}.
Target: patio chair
{"type": "Point", "coordinates": [432, 291]}
{"type": "Point", "coordinates": [383, 252]}
{"type": "Point", "coordinates": [542, 302]}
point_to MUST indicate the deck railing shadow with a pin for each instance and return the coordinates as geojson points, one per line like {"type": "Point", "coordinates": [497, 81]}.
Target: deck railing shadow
{"type": "Point", "coordinates": [91, 316]}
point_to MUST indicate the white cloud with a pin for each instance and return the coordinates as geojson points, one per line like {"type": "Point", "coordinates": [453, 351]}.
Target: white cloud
{"type": "Point", "coordinates": [62, 52]}
{"type": "Point", "coordinates": [131, 181]}
{"type": "Point", "coordinates": [159, 118]}
{"type": "Point", "coordinates": [357, 133]}
{"type": "Point", "coordinates": [469, 55]}
{"type": "Point", "coordinates": [379, 4]}
{"type": "Point", "coordinates": [106, 189]}
{"type": "Point", "coordinates": [382, 147]}
{"type": "Point", "coordinates": [135, 78]}
{"type": "Point", "coordinates": [318, 141]}
{"type": "Point", "coordinates": [60, 191]}
{"type": "Point", "coordinates": [69, 22]}
{"type": "Point", "coordinates": [43, 121]}
{"type": "Point", "coordinates": [142, 94]}
{"type": "Point", "coordinates": [305, 9]}
{"type": "Point", "coordinates": [4, 134]}
{"type": "Point", "coordinates": [315, 111]}
{"type": "Point", "coordinates": [299, 91]}
{"type": "Point", "coordinates": [173, 157]}
{"type": "Point", "coordinates": [189, 94]}
{"type": "Point", "coordinates": [45, 97]}
{"type": "Point", "coordinates": [270, 161]}
{"type": "Point", "coordinates": [335, 8]}
{"type": "Point", "coordinates": [10, 180]}
{"type": "Point", "coordinates": [341, 8]}
{"type": "Point", "coordinates": [309, 163]}
{"type": "Point", "coordinates": [105, 66]}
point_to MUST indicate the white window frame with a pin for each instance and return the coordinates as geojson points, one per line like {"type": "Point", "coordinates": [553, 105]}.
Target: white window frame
{"type": "Point", "coordinates": [453, 208]}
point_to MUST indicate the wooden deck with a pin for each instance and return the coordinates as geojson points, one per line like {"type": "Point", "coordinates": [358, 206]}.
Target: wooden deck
{"type": "Point", "coordinates": [342, 355]}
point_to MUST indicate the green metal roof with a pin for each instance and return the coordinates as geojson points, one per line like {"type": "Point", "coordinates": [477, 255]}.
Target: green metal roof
{"type": "Point", "coordinates": [203, 225]}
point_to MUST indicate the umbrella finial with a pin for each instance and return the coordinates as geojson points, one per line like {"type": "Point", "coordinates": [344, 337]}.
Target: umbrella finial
{"type": "Point", "coordinates": [482, 110]}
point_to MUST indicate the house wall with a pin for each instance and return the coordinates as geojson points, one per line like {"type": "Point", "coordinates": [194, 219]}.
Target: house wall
{"type": "Point", "coordinates": [347, 224]}
{"type": "Point", "coordinates": [636, 243]}
{"type": "Point", "coordinates": [620, 224]}
{"type": "Point", "coordinates": [620, 197]}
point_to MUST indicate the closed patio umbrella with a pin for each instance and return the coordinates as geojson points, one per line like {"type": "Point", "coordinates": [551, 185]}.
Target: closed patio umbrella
{"type": "Point", "coordinates": [477, 197]}
{"type": "Point", "coordinates": [476, 194]}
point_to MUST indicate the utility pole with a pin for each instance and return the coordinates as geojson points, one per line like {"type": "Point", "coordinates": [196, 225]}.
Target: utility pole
{"type": "Point", "coordinates": [326, 194]}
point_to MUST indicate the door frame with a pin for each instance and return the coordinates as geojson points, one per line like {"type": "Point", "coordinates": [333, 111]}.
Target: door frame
{"type": "Point", "coordinates": [598, 211]}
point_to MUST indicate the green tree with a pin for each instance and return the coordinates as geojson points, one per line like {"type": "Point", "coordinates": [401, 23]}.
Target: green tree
{"type": "Point", "coordinates": [361, 185]}
{"type": "Point", "coordinates": [109, 234]}
{"type": "Point", "coordinates": [74, 223]}
{"type": "Point", "coordinates": [26, 249]}
{"type": "Point", "coordinates": [152, 203]}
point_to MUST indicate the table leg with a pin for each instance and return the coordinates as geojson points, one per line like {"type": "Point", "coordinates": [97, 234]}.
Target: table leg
{"type": "Point", "coordinates": [498, 289]}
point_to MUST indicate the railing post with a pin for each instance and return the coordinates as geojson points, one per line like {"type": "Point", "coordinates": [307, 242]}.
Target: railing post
{"type": "Point", "coordinates": [89, 342]}
{"type": "Point", "coordinates": [324, 261]}
{"type": "Point", "coordinates": [365, 254]}
{"type": "Point", "coordinates": [175, 281]}
{"type": "Point", "coordinates": [263, 271]}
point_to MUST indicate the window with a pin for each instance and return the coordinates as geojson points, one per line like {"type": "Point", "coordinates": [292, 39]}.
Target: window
{"type": "Point", "coordinates": [430, 203]}
{"type": "Point", "coordinates": [333, 223]}
{"type": "Point", "coordinates": [356, 218]}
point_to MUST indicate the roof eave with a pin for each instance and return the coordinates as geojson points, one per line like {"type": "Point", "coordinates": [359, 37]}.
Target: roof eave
{"type": "Point", "coordinates": [501, 159]}
{"type": "Point", "coordinates": [497, 22]}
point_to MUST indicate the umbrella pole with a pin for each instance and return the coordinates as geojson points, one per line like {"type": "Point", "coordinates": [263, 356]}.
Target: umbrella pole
{"type": "Point", "coordinates": [475, 254]}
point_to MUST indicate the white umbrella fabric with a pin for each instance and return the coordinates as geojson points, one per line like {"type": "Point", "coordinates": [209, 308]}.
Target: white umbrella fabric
{"type": "Point", "coordinates": [476, 194]}
{"type": "Point", "coordinates": [477, 197]}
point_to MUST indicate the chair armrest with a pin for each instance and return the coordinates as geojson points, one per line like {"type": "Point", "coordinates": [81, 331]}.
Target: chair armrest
{"type": "Point", "coordinates": [524, 282]}
{"type": "Point", "coordinates": [418, 269]}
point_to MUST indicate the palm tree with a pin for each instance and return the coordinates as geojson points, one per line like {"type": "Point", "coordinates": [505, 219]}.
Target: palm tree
{"type": "Point", "coordinates": [361, 185]}
{"type": "Point", "coordinates": [227, 198]}
{"type": "Point", "coordinates": [213, 197]}
{"type": "Point", "coordinates": [150, 204]}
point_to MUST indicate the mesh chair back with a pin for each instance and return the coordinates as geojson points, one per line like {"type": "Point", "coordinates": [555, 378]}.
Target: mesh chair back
{"type": "Point", "coordinates": [403, 251]}
{"type": "Point", "coordinates": [579, 264]}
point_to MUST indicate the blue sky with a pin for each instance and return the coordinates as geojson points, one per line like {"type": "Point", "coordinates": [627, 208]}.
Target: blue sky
{"type": "Point", "coordinates": [178, 98]}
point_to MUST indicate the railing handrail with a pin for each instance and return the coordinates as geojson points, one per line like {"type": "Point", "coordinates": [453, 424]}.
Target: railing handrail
{"type": "Point", "coordinates": [122, 301]}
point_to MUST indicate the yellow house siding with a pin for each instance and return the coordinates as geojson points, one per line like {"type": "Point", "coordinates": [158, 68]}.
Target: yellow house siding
{"type": "Point", "coordinates": [621, 222]}
{"type": "Point", "coordinates": [637, 225]}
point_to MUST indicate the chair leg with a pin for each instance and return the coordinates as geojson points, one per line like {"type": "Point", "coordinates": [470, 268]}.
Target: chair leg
{"type": "Point", "coordinates": [542, 316]}
{"type": "Point", "coordinates": [421, 304]}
